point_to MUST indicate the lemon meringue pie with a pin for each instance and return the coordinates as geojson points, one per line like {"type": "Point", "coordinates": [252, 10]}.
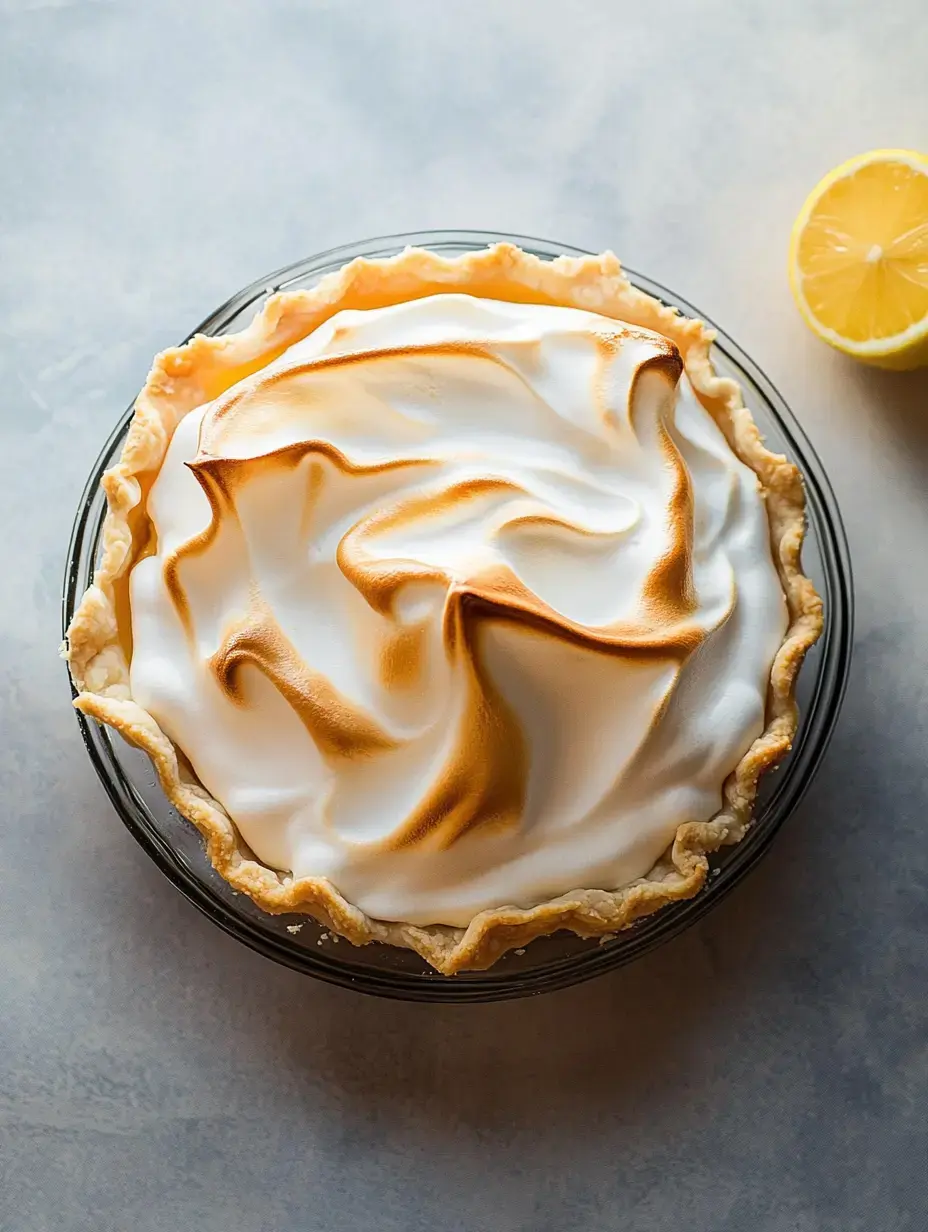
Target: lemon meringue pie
{"type": "Point", "coordinates": [456, 601]}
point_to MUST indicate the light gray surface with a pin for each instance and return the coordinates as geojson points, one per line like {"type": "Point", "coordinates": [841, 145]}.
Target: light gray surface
{"type": "Point", "coordinates": [765, 1073]}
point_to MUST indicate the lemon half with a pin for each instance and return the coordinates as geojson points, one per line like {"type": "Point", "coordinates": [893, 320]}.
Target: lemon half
{"type": "Point", "coordinates": [858, 258]}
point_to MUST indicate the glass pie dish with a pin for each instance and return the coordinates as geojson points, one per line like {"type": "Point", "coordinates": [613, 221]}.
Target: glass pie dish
{"type": "Point", "coordinates": [550, 962]}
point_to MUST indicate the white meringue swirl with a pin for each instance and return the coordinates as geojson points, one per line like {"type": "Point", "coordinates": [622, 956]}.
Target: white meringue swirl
{"type": "Point", "coordinates": [458, 604]}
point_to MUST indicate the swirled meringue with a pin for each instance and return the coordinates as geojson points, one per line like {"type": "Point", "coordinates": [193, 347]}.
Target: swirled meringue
{"type": "Point", "coordinates": [458, 603]}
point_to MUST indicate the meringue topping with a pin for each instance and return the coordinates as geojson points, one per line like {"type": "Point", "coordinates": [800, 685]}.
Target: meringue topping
{"type": "Point", "coordinates": [458, 603]}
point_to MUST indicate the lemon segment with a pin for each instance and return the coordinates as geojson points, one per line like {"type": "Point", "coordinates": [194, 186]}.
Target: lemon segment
{"type": "Point", "coordinates": [858, 258]}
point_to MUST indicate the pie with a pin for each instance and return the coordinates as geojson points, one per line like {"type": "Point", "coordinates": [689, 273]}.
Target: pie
{"type": "Point", "coordinates": [455, 600]}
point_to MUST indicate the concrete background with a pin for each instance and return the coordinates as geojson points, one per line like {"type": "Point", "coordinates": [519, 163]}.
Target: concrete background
{"type": "Point", "coordinates": [764, 1073]}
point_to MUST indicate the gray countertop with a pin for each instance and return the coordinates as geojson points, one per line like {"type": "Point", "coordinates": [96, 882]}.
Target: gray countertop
{"type": "Point", "coordinates": [766, 1072]}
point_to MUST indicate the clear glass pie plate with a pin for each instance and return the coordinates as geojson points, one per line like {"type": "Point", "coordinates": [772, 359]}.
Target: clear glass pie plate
{"type": "Point", "coordinates": [550, 962]}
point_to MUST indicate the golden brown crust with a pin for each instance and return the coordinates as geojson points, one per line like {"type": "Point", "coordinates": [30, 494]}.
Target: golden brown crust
{"type": "Point", "coordinates": [183, 378]}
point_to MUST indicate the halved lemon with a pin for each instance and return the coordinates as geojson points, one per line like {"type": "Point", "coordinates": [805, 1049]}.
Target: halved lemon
{"type": "Point", "coordinates": [858, 258]}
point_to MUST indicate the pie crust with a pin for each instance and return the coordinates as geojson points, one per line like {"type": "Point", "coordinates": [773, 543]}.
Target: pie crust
{"type": "Point", "coordinates": [185, 377]}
